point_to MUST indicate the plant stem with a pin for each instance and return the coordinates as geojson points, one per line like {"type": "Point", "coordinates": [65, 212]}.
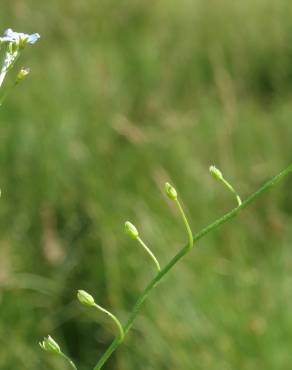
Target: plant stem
{"type": "Point", "coordinates": [269, 184]}
{"type": "Point", "coordinates": [9, 61]}
{"type": "Point", "coordinates": [2, 76]}
{"type": "Point", "coordinates": [69, 360]}
{"type": "Point", "coordinates": [150, 253]}
{"type": "Point", "coordinates": [116, 321]}
{"type": "Point", "coordinates": [184, 217]}
{"type": "Point", "coordinates": [231, 188]}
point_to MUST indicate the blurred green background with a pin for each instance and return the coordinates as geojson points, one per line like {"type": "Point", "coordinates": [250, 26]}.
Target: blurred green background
{"type": "Point", "coordinates": [123, 96]}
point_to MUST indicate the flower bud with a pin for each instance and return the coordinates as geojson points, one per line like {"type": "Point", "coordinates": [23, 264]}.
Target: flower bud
{"type": "Point", "coordinates": [217, 174]}
{"type": "Point", "coordinates": [131, 230]}
{"type": "Point", "coordinates": [22, 74]}
{"type": "Point", "coordinates": [85, 298]}
{"type": "Point", "coordinates": [170, 191]}
{"type": "Point", "coordinates": [49, 345]}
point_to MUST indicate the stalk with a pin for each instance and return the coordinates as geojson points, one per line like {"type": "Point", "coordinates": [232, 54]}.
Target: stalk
{"type": "Point", "coordinates": [154, 282]}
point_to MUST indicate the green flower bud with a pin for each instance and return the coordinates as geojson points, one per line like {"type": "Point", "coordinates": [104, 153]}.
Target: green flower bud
{"type": "Point", "coordinates": [22, 74]}
{"type": "Point", "coordinates": [49, 345]}
{"type": "Point", "coordinates": [170, 191]}
{"type": "Point", "coordinates": [217, 174]}
{"type": "Point", "coordinates": [131, 230]}
{"type": "Point", "coordinates": [85, 298]}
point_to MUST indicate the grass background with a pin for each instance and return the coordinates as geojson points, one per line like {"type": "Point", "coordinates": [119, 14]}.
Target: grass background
{"type": "Point", "coordinates": [122, 97]}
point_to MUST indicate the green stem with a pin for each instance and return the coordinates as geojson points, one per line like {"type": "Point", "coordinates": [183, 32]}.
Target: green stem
{"type": "Point", "coordinates": [150, 253]}
{"type": "Point", "coordinates": [115, 320]}
{"type": "Point", "coordinates": [269, 184]}
{"type": "Point", "coordinates": [69, 360]}
{"type": "Point", "coordinates": [184, 217]}
{"type": "Point", "coordinates": [231, 188]}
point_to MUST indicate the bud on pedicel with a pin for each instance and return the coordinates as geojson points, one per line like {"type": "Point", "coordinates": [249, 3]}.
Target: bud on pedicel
{"type": "Point", "coordinates": [85, 298]}
{"type": "Point", "coordinates": [49, 345]}
{"type": "Point", "coordinates": [217, 174]}
{"type": "Point", "coordinates": [22, 74]}
{"type": "Point", "coordinates": [131, 230]}
{"type": "Point", "coordinates": [170, 191]}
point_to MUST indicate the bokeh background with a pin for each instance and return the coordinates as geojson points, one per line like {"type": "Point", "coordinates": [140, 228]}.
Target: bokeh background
{"type": "Point", "coordinates": [122, 96]}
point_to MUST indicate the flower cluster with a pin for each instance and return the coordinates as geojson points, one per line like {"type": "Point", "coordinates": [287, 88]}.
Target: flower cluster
{"type": "Point", "coordinates": [14, 43]}
{"type": "Point", "coordinates": [18, 38]}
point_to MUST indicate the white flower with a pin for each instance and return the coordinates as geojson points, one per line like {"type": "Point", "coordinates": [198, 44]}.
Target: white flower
{"type": "Point", "coordinates": [19, 38]}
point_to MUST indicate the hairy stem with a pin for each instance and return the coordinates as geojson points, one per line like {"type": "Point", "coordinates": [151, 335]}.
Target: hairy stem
{"type": "Point", "coordinates": [269, 184]}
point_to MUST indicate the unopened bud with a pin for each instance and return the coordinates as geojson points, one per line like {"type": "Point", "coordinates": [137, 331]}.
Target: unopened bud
{"type": "Point", "coordinates": [131, 230]}
{"type": "Point", "coordinates": [85, 298]}
{"type": "Point", "coordinates": [217, 174]}
{"type": "Point", "coordinates": [22, 74]}
{"type": "Point", "coordinates": [49, 345]}
{"type": "Point", "coordinates": [170, 191]}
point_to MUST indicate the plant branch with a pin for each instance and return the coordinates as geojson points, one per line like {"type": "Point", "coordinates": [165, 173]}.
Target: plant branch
{"type": "Point", "coordinates": [269, 184]}
{"type": "Point", "coordinates": [115, 320]}
{"type": "Point", "coordinates": [150, 253]}
{"type": "Point", "coordinates": [186, 223]}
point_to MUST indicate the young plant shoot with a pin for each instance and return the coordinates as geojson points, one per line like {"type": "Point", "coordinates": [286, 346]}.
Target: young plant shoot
{"type": "Point", "coordinates": [217, 174]}
{"type": "Point", "coordinates": [51, 346]}
{"type": "Point", "coordinates": [87, 300]}
{"type": "Point", "coordinates": [131, 230]}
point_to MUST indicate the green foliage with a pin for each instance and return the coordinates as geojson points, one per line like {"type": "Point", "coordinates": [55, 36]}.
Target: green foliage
{"type": "Point", "coordinates": [123, 97]}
